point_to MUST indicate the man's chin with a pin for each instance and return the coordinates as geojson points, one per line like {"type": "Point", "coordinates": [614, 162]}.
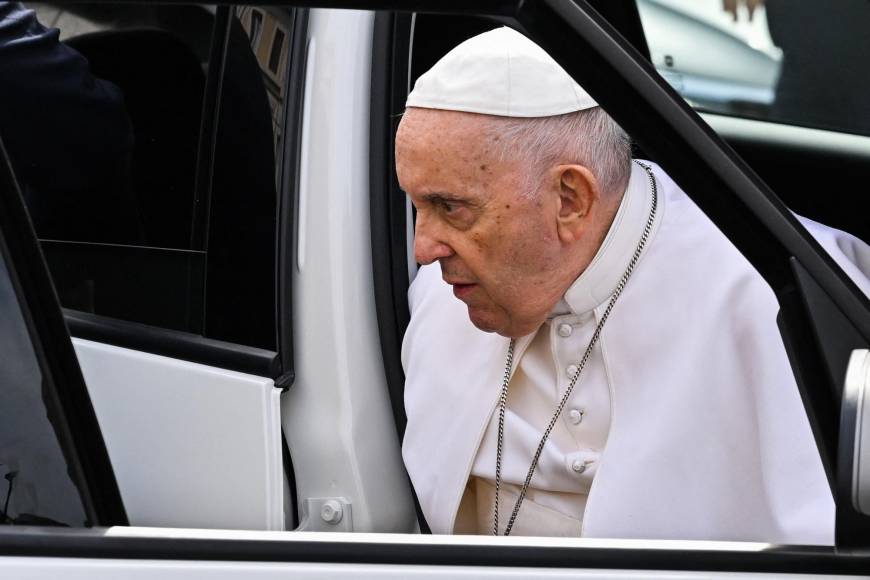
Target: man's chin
{"type": "Point", "coordinates": [484, 320]}
{"type": "Point", "coordinates": [487, 322]}
{"type": "Point", "coordinates": [481, 320]}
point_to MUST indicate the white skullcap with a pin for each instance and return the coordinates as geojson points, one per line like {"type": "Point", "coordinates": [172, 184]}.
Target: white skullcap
{"type": "Point", "coordinates": [500, 72]}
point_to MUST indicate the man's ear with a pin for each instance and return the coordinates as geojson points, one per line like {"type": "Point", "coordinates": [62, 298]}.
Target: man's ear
{"type": "Point", "coordinates": [579, 198]}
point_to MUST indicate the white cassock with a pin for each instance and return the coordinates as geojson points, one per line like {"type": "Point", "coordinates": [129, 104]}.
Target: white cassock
{"type": "Point", "coordinates": [685, 424]}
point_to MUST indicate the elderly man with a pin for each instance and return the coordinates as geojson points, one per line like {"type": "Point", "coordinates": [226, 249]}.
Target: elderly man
{"type": "Point", "coordinates": [585, 345]}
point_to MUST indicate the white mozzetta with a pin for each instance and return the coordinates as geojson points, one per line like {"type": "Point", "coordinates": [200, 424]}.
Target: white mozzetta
{"type": "Point", "coordinates": [337, 415]}
{"type": "Point", "coordinates": [191, 445]}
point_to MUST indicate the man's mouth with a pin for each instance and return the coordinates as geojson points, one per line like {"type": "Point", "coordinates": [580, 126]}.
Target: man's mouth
{"type": "Point", "coordinates": [462, 290]}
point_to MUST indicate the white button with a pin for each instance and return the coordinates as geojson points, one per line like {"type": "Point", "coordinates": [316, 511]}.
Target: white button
{"type": "Point", "coordinates": [571, 371]}
{"type": "Point", "coordinates": [575, 416]}
{"type": "Point", "coordinates": [579, 466]}
{"type": "Point", "coordinates": [565, 330]}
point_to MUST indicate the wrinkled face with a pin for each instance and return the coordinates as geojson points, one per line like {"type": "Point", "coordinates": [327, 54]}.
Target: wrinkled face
{"type": "Point", "coordinates": [498, 248]}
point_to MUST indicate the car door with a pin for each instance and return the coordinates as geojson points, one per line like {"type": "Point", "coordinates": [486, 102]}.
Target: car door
{"type": "Point", "coordinates": [165, 208]}
{"type": "Point", "coordinates": [749, 215]}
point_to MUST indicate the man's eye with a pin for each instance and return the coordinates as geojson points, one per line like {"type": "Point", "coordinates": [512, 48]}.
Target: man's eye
{"type": "Point", "coordinates": [449, 206]}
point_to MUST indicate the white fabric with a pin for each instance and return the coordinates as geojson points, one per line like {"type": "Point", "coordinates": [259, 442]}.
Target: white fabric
{"type": "Point", "coordinates": [476, 512]}
{"type": "Point", "coordinates": [570, 459]}
{"type": "Point", "coordinates": [708, 437]}
{"type": "Point", "coordinates": [500, 72]}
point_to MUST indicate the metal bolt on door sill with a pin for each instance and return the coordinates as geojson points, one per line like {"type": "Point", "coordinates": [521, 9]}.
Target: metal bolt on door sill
{"type": "Point", "coordinates": [325, 514]}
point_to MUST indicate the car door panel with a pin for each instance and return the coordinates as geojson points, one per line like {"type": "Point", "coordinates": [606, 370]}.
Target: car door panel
{"type": "Point", "coordinates": [87, 569]}
{"type": "Point", "coordinates": [184, 553]}
{"type": "Point", "coordinates": [191, 445]}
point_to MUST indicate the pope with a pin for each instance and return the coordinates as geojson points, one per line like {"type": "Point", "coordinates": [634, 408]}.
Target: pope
{"type": "Point", "coordinates": [587, 354]}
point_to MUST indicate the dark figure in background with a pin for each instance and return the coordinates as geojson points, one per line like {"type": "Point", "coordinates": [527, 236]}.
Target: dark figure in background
{"type": "Point", "coordinates": [67, 134]}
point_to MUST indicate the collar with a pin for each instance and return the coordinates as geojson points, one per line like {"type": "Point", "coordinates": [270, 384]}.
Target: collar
{"type": "Point", "coordinates": [598, 281]}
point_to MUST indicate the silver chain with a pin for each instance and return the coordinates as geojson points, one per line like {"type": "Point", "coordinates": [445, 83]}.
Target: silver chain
{"type": "Point", "coordinates": [502, 402]}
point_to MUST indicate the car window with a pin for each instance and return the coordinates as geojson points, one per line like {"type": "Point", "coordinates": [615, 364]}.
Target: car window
{"type": "Point", "coordinates": [36, 482]}
{"type": "Point", "coordinates": [793, 62]}
{"type": "Point", "coordinates": [247, 170]}
{"type": "Point", "coordinates": [155, 198]}
{"type": "Point", "coordinates": [783, 83]}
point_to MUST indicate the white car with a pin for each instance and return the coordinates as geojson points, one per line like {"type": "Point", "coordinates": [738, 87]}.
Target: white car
{"type": "Point", "coordinates": [201, 376]}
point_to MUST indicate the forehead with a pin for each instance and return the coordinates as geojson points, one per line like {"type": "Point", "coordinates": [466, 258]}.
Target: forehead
{"type": "Point", "coordinates": [439, 131]}
{"type": "Point", "coordinates": [438, 149]}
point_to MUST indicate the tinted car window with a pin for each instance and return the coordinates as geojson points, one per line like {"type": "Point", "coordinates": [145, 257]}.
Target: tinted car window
{"type": "Point", "coordinates": [798, 62]}
{"type": "Point", "coordinates": [103, 132]}
{"type": "Point", "coordinates": [155, 199]}
{"type": "Point", "coordinates": [35, 483]}
{"type": "Point", "coordinates": [240, 305]}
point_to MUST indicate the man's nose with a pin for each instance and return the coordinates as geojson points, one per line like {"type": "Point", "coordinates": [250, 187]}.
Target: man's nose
{"type": "Point", "coordinates": [427, 247]}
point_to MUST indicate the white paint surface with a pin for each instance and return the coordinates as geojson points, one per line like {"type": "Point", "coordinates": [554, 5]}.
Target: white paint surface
{"type": "Point", "coordinates": [191, 445]}
{"type": "Point", "coordinates": [337, 415]}
{"type": "Point", "coordinates": [92, 569]}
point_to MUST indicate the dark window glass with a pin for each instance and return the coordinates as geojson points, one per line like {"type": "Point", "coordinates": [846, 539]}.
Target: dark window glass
{"type": "Point", "coordinates": [275, 56]}
{"type": "Point", "coordinates": [101, 116]}
{"type": "Point", "coordinates": [800, 62]}
{"type": "Point", "coordinates": [161, 286]}
{"type": "Point", "coordinates": [152, 204]}
{"type": "Point", "coordinates": [256, 26]}
{"type": "Point", "coordinates": [274, 72]}
{"type": "Point", "coordinates": [241, 295]}
{"type": "Point", "coordinates": [35, 483]}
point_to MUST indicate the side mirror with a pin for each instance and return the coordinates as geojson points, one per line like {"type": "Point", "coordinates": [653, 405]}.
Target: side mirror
{"type": "Point", "coordinates": [855, 429]}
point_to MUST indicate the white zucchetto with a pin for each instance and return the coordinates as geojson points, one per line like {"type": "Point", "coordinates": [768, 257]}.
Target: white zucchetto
{"type": "Point", "coordinates": [500, 72]}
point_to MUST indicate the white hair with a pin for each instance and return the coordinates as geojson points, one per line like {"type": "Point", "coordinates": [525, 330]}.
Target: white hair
{"type": "Point", "coordinates": [589, 137]}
